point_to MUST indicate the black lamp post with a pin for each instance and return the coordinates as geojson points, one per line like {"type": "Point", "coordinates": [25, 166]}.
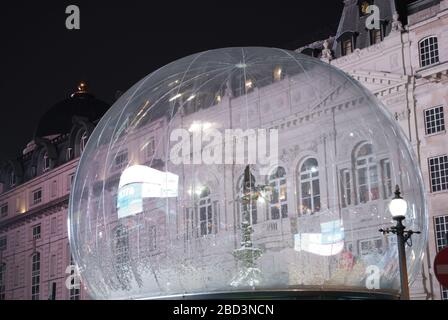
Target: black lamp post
{"type": "Point", "coordinates": [398, 208]}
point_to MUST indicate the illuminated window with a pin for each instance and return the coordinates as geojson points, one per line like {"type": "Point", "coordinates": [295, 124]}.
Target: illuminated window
{"type": "Point", "coordinates": [370, 246]}
{"type": "Point", "coordinates": [366, 174]}
{"type": "Point", "coordinates": [429, 51]}
{"type": "Point", "coordinates": [46, 162]}
{"type": "Point", "coordinates": [247, 208]}
{"type": "Point", "coordinates": [207, 216]}
{"type": "Point", "coordinates": [69, 154]}
{"type": "Point", "coordinates": [347, 47]}
{"type": "Point", "coordinates": [278, 73]}
{"type": "Point", "coordinates": [376, 36]}
{"type": "Point", "coordinates": [12, 179]}
{"type": "Point", "coordinates": [83, 141]}
{"type": "Point", "coordinates": [309, 187]}
{"type": "Point", "coordinates": [278, 203]}
{"type": "Point", "coordinates": [74, 293]}
{"type": "Point", "coordinates": [189, 223]}
{"type": "Point", "coordinates": [35, 276]}
{"type": "Point", "coordinates": [438, 168]}
{"type": "Point", "coordinates": [36, 232]}
{"type": "Point", "coordinates": [36, 196]}
{"type": "Point", "coordinates": [346, 188]}
{"type": "Point", "coordinates": [3, 210]}
{"type": "Point", "coordinates": [121, 159]}
{"type": "Point", "coordinates": [386, 175]}
{"type": "Point", "coordinates": [150, 148]}
{"type": "Point", "coordinates": [2, 281]}
{"type": "Point", "coordinates": [434, 120]}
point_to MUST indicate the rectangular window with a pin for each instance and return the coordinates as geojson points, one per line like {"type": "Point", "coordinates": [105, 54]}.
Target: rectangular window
{"type": "Point", "coordinates": [121, 159]}
{"type": "Point", "coordinates": [3, 243]}
{"type": "Point", "coordinates": [3, 210]}
{"type": "Point", "coordinates": [441, 231]}
{"type": "Point", "coordinates": [152, 238]}
{"type": "Point", "coordinates": [189, 223]}
{"type": "Point", "coordinates": [346, 189]}
{"type": "Point", "coordinates": [150, 148]}
{"type": "Point", "coordinates": [17, 238]}
{"type": "Point", "coordinates": [429, 51]}
{"type": "Point", "coordinates": [54, 188]}
{"type": "Point", "coordinates": [441, 234]}
{"type": "Point", "coordinates": [370, 246]}
{"type": "Point", "coordinates": [16, 276]}
{"type": "Point", "coordinates": [53, 265]}
{"type": "Point", "coordinates": [70, 179]}
{"type": "Point", "coordinates": [386, 174]}
{"type": "Point", "coordinates": [54, 225]}
{"type": "Point", "coordinates": [376, 36]}
{"type": "Point", "coordinates": [36, 196]}
{"type": "Point", "coordinates": [438, 169]}
{"type": "Point", "coordinates": [36, 232]}
{"type": "Point", "coordinates": [347, 47]}
{"type": "Point", "coordinates": [434, 120]}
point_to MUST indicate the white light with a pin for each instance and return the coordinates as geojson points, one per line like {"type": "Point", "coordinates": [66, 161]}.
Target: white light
{"type": "Point", "coordinates": [352, 134]}
{"type": "Point", "coordinates": [261, 200]}
{"type": "Point", "coordinates": [398, 207]}
{"type": "Point", "coordinates": [206, 125]}
{"type": "Point", "coordinates": [314, 169]}
{"type": "Point", "coordinates": [218, 98]}
{"type": "Point", "coordinates": [175, 97]}
{"type": "Point", "coordinates": [191, 97]}
{"type": "Point", "coordinates": [249, 84]}
{"type": "Point", "coordinates": [195, 126]}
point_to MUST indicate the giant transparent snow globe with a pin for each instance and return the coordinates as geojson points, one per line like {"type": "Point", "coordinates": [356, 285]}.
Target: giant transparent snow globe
{"type": "Point", "coordinates": [244, 172]}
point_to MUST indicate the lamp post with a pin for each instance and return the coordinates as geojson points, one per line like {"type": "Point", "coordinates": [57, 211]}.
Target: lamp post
{"type": "Point", "coordinates": [398, 208]}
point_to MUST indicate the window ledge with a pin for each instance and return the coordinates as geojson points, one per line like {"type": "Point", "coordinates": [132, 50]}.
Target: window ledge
{"type": "Point", "coordinates": [435, 134]}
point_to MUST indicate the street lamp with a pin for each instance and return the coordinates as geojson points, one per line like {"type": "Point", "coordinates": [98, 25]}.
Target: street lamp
{"type": "Point", "coordinates": [398, 208]}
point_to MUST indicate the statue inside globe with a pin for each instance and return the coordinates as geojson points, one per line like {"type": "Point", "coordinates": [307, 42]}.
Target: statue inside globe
{"type": "Point", "coordinates": [244, 172]}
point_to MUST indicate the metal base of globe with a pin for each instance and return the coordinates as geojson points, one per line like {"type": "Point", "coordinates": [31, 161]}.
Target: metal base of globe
{"type": "Point", "coordinates": [291, 294]}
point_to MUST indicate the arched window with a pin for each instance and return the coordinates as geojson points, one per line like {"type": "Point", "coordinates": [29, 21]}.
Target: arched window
{"type": "Point", "coordinates": [207, 218]}
{"type": "Point", "coordinates": [83, 141]}
{"type": "Point", "coordinates": [278, 203]}
{"type": "Point", "coordinates": [35, 276]}
{"type": "Point", "coordinates": [46, 162]}
{"type": "Point", "coordinates": [2, 280]}
{"type": "Point", "coordinates": [247, 208]}
{"type": "Point", "coordinates": [366, 174]}
{"type": "Point", "coordinates": [429, 51]}
{"type": "Point", "coordinates": [309, 192]}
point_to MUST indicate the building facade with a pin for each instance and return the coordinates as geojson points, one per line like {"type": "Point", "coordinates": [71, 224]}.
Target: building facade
{"type": "Point", "coordinates": [404, 63]}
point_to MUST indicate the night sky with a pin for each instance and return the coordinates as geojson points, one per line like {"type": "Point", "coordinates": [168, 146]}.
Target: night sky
{"type": "Point", "coordinates": [122, 41]}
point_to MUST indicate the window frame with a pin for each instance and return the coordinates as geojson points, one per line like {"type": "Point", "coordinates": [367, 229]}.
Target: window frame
{"type": "Point", "coordinates": [370, 166]}
{"type": "Point", "coordinates": [278, 184]}
{"type": "Point", "coordinates": [424, 48]}
{"type": "Point", "coordinates": [430, 127]}
{"type": "Point", "coordinates": [36, 232]}
{"type": "Point", "coordinates": [46, 163]}
{"type": "Point", "coordinates": [435, 177]}
{"type": "Point", "coordinates": [35, 275]}
{"type": "Point", "coordinates": [311, 177]}
{"type": "Point", "coordinates": [36, 200]}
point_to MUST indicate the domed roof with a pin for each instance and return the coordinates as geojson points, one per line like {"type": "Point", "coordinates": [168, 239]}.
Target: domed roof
{"type": "Point", "coordinates": [58, 119]}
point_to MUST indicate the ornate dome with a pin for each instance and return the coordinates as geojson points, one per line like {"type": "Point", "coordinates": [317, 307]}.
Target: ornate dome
{"type": "Point", "coordinates": [58, 119]}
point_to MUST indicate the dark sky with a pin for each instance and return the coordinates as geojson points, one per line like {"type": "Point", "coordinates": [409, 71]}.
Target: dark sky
{"type": "Point", "coordinates": [122, 41]}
